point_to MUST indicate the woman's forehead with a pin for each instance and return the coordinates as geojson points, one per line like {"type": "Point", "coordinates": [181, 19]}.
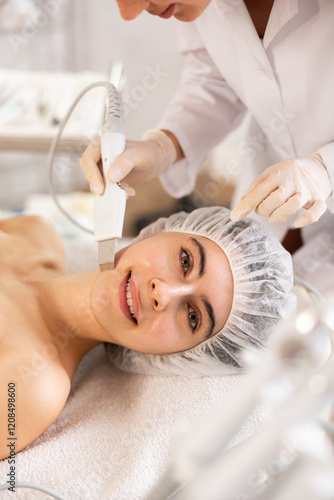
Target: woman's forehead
{"type": "Point", "coordinates": [184, 235]}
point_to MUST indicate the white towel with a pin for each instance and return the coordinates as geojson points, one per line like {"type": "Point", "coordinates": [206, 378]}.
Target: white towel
{"type": "Point", "coordinates": [112, 439]}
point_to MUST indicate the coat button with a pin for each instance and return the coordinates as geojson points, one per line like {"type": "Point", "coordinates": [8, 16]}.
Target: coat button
{"type": "Point", "coordinates": [267, 73]}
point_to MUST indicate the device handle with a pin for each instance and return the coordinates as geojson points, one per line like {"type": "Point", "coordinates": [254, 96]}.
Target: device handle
{"type": "Point", "coordinates": [109, 208]}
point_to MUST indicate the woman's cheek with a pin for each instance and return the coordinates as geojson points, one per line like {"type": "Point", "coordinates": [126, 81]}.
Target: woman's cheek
{"type": "Point", "coordinates": [104, 301]}
{"type": "Point", "coordinates": [163, 336]}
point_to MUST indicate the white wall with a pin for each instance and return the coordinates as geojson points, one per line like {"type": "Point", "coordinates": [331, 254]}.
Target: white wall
{"type": "Point", "coordinates": [36, 34]}
{"type": "Point", "coordinates": [77, 35]}
{"type": "Point", "coordinates": [102, 36]}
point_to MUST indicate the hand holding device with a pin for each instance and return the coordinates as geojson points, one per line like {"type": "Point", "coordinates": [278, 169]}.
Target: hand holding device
{"type": "Point", "coordinates": [141, 161]}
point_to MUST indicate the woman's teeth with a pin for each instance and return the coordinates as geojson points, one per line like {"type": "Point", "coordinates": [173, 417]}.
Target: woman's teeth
{"type": "Point", "coordinates": [129, 299]}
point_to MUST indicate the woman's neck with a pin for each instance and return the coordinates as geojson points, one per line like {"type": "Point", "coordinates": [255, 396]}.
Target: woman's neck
{"type": "Point", "coordinates": [65, 307]}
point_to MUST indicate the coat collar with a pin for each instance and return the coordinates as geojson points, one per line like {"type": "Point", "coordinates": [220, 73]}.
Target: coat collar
{"type": "Point", "coordinates": [237, 16]}
{"type": "Point", "coordinates": [281, 13]}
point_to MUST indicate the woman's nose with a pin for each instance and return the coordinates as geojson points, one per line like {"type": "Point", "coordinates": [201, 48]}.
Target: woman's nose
{"type": "Point", "coordinates": [163, 293]}
{"type": "Point", "coordinates": [131, 9]}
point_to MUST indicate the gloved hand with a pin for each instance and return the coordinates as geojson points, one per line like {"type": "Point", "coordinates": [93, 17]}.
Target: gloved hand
{"type": "Point", "coordinates": [286, 187]}
{"type": "Point", "coordinates": [141, 161]}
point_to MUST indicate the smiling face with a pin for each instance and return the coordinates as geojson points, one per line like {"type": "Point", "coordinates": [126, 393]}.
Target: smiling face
{"type": "Point", "coordinates": [187, 11]}
{"type": "Point", "coordinates": [167, 293]}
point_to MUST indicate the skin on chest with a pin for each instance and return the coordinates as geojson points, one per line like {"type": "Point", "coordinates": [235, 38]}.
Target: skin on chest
{"type": "Point", "coordinates": [23, 333]}
{"type": "Point", "coordinates": [29, 356]}
{"type": "Point", "coordinates": [31, 252]}
{"type": "Point", "coordinates": [259, 11]}
{"type": "Point", "coordinates": [12, 255]}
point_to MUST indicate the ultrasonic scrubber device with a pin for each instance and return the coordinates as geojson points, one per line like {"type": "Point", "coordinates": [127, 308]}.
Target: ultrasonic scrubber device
{"type": "Point", "coordinates": [109, 208]}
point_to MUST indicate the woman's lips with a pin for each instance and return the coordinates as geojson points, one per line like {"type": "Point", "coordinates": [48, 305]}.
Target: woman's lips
{"type": "Point", "coordinates": [135, 300]}
{"type": "Point", "coordinates": [166, 14]}
{"type": "Point", "coordinates": [122, 299]}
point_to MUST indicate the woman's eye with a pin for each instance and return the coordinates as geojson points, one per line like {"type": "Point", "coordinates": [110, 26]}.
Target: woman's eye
{"type": "Point", "coordinates": [185, 260]}
{"type": "Point", "coordinates": [192, 318]}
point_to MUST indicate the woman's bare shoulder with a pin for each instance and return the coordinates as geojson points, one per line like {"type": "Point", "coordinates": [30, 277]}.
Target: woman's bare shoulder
{"type": "Point", "coordinates": [32, 395]}
{"type": "Point", "coordinates": [33, 225]}
{"type": "Point", "coordinates": [38, 240]}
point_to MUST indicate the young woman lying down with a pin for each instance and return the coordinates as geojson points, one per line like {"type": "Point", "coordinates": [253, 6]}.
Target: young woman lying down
{"type": "Point", "coordinates": [190, 296]}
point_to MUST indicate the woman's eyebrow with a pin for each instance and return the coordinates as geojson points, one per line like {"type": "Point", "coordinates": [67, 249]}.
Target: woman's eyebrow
{"type": "Point", "coordinates": [212, 321]}
{"type": "Point", "coordinates": [208, 307]}
{"type": "Point", "coordinates": [202, 257]}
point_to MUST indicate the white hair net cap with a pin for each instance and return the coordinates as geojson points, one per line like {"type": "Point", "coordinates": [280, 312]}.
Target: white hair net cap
{"type": "Point", "coordinates": [262, 283]}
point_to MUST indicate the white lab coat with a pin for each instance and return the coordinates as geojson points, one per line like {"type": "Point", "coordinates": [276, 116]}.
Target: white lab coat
{"type": "Point", "coordinates": [286, 81]}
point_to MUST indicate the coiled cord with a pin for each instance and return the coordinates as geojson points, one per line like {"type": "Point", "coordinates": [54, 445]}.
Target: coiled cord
{"type": "Point", "coordinates": [114, 110]}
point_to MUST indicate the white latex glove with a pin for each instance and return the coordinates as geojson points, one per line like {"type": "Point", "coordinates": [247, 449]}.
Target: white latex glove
{"type": "Point", "coordinates": [141, 161]}
{"type": "Point", "coordinates": [286, 187]}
